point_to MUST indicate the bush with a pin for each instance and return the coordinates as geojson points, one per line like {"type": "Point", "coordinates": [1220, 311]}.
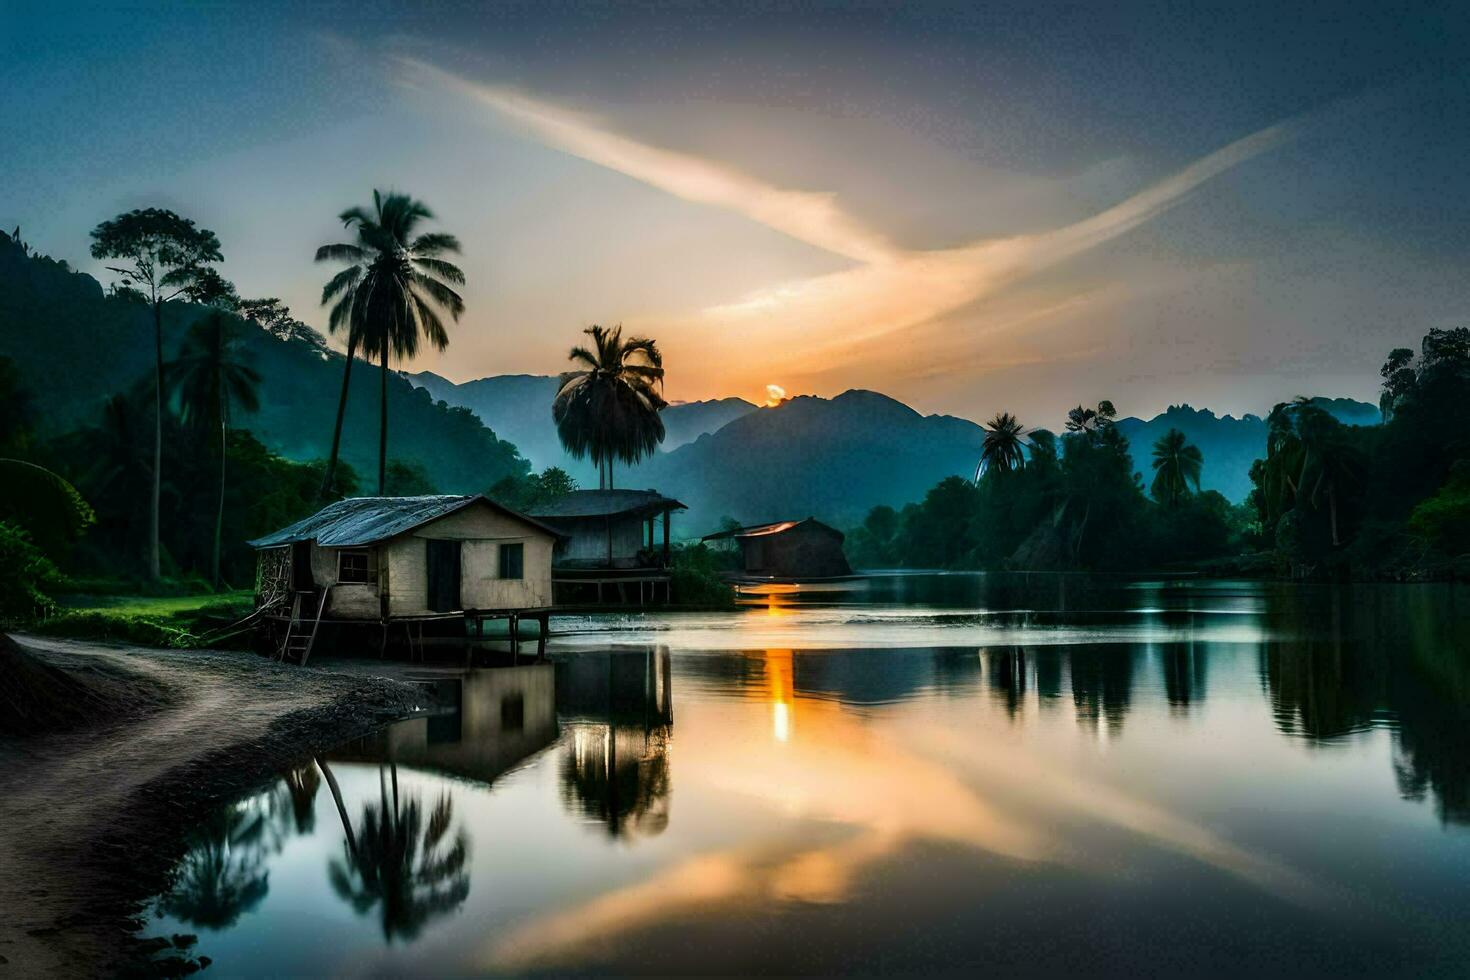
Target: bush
{"type": "Point", "coordinates": [23, 570]}
{"type": "Point", "coordinates": [1442, 523]}
{"type": "Point", "coordinates": [696, 577]}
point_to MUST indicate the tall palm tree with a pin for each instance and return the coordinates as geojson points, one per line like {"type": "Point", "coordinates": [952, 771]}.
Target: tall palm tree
{"type": "Point", "coordinates": [390, 296]}
{"type": "Point", "coordinates": [1177, 464]}
{"type": "Point", "coordinates": [1003, 449]}
{"type": "Point", "coordinates": [209, 375]}
{"type": "Point", "coordinates": [610, 408]}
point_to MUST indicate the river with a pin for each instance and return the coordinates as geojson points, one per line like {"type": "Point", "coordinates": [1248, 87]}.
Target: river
{"type": "Point", "coordinates": [1021, 775]}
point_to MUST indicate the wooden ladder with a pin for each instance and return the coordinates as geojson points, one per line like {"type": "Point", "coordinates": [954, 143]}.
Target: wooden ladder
{"type": "Point", "coordinates": [299, 641]}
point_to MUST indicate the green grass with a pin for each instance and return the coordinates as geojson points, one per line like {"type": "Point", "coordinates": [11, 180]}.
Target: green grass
{"type": "Point", "coordinates": [164, 621]}
{"type": "Point", "coordinates": [152, 606]}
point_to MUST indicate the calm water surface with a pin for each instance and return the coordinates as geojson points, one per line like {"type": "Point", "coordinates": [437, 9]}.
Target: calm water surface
{"type": "Point", "coordinates": [946, 773]}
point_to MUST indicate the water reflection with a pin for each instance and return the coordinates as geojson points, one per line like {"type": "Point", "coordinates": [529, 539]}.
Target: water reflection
{"type": "Point", "coordinates": [496, 718]}
{"type": "Point", "coordinates": [224, 874]}
{"type": "Point", "coordinates": [407, 867]}
{"type": "Point", "coordinates": [1296, 781]}
{"type": "Point", "coordinates": [618, 709]}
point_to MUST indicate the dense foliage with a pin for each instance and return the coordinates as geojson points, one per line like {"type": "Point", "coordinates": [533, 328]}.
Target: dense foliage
{"type": "Point", "coordinates": [1344, 500]}
{"type": "Point", "coordinates": [1074, 502]}
{"type": "Point", "coordinates": [53, 319]}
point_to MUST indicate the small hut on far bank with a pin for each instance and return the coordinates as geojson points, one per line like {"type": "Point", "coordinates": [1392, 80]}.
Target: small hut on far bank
{"type": "Point", "coordinates": [789, 549]}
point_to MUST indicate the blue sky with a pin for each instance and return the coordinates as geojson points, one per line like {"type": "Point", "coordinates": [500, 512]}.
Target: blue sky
{"type": "Point", "coordinates": [974, 208]}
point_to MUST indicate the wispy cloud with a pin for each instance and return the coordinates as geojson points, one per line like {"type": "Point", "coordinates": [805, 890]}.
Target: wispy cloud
{"type": "Point", "coordinates": [808, 216]}
{"type": "Point", "coordinates": [824, 322]}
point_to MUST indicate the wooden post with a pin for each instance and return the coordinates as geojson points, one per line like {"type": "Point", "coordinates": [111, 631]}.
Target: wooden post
{"type": "Point", "coordinates": [544, 624]}
{"type": "Point", "coordinates": [515, 639]}
{"type": "Point", "coordinates": [666, 537]}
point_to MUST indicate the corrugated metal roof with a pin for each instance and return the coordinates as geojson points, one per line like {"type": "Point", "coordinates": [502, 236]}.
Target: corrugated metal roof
{"type": "Point", "coordinates": [605, 503]}
{"type": "Point", "coordinates": [776, 527]}
{"type": "Point", "coordinates": [365, 520]}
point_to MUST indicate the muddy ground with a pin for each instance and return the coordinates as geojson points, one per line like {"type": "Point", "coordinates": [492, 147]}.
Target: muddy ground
{"type": "Point", "coordinates": [92, 821]}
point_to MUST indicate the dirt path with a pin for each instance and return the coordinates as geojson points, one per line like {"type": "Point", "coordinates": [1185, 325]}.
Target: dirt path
{"type": "Point", "coordinates": [91, 822]}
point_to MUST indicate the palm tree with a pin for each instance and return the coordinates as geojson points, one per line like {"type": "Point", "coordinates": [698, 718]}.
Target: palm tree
{"type": "Point", "coordinates": [390, 295]}
{"type": "Point", "coordinates": [1177, 464]}
{"type": "Point", "coordinates": [413, 869]}
{"type": "Point", "coordinates": [209, 375]}
{"type": "Point", "coordinates": [610, 408]}
{"type": "Point", "coordinates": [1308, 457]}
{"type": "Point", "coordinates": [1003, 449]}
{"type": "Point", "coordinates": [1329, 460]}
{"type": "Point", "coordinates": [1092, 422]}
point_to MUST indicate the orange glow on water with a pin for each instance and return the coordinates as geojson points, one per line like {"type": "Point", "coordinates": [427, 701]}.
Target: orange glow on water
{"type": "Point", "coordinates": [781, 692]}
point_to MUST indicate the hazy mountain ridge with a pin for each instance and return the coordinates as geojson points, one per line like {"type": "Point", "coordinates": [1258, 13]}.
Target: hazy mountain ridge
{"type": "Point", "coordinates": [76, 347]}
{"type": "Point", "coordinates": [518, 407]}
{"type": "Point", "coordinates": [830, 458]}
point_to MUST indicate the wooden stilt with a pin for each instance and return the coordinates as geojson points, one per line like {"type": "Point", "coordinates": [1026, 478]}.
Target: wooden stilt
{"type": "Point", "coordinates": [541, 638]}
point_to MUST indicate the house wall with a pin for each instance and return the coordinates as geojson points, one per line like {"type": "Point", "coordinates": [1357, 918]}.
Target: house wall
{"type": "Point", "coordinates": [355, 600]}
{"type": "Point", "coordinates": [588, 542]}
{"type": "Point", "coordinates": [482, 529]}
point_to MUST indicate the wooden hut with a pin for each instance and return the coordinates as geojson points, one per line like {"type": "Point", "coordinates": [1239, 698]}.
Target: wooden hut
{"type": "Point", "coordinates": [404, 559]}
{"type": "Point", "coordinates": [614, 544]}
{"type": "Point", "coordinates": [789, 550]}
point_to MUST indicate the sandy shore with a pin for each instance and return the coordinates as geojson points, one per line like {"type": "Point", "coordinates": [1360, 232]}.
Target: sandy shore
{"type": "Point", "coordinates": [92, 821]}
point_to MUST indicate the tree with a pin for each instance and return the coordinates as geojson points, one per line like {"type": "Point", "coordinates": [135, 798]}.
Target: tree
{"type": "Point", "coordinates": [43, 504]}
{"type": "Point", "coordinates": [166, 255]}
{"type": "Point", "coordinates": [610, 408]}
{"type": "Point", "coordinates": [1177, 464]}
{"type": "Point", "coordinates": [1092, 422]}
{"type": "Point", "coordinates": [17, 411]}
{"type": "Point", "coordinates": [1003, 449]}
{"type": "Point", "coordinates": [274, 317]}
{"type": "Point", "coordinates": [389, 297]}
{"type": "Point", "coordinates": [209, 375]}
{"type": "Point", "coordinates": [1310, 459]}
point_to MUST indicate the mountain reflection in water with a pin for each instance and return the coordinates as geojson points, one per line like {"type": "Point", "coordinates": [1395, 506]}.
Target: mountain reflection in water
{"type": "Point", "coordinates": [1174, 778]}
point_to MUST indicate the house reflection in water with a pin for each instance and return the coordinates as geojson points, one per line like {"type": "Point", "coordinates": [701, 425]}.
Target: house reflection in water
{"type": "Point", "coordinates": [499, 717]}
{"type": "Point", "coordinates": [617, 709]}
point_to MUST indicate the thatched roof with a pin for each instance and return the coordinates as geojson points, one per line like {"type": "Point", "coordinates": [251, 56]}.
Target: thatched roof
{"type": "Point", "coordinates": [359, 521]}
{"type": "Point", "coordinates": [606, 503]}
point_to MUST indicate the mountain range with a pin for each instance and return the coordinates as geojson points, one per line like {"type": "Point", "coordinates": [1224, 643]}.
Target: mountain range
{"type": "Point", "coordinates": [521, 407]}
{"type": "Point", "coordinates": [830, 458]}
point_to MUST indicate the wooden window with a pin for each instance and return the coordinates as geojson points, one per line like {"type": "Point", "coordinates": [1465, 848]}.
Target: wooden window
{"type": "Point", "coordinates": [513, 560]}
{"type": "Point", "coordinates": [357, 567]}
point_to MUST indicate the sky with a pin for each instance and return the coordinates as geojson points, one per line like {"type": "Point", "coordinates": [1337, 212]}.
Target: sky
{"type": "Point", "coordinates": [973, 208]}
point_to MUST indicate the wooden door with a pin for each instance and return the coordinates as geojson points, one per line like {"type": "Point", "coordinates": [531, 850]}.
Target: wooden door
{"type": "Point", "coordinates": [443, 562]}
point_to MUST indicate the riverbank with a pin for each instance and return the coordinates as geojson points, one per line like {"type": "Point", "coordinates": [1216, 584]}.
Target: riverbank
{"type": "Point", "coordinates": [94, 819]}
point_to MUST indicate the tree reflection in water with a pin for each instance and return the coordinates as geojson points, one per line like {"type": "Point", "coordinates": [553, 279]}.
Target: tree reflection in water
{"type": "Point", "coordinates": [619, 715]}
{"type": "Point", "coordinates": [223, 875]}
{"type": "Point", "coordinates": [301, 785]}
{"type": "Point", "coordinates": [410, 868]}
{"type": "Point", "coordinates": [1355, 659]}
